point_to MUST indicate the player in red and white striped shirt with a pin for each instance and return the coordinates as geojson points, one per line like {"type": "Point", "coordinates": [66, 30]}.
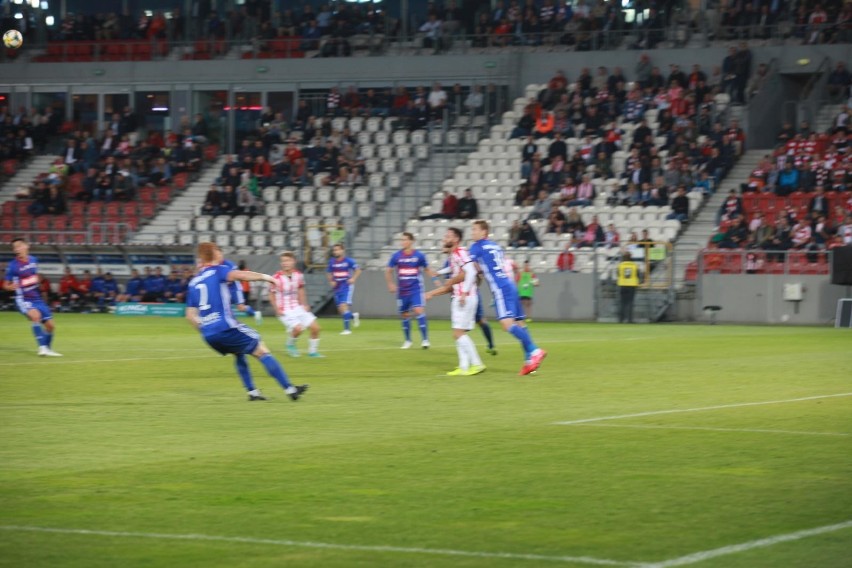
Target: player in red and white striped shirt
{"type": "Point", "coordinates": [464, 303]}
{"type": "Point", "coordinates": [291, 306]}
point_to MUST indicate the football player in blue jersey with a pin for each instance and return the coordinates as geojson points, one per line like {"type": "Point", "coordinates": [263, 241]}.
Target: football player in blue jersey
{"type": "Point", "coordinates": [342, 273]}
{"type": "Point", "coordinates": [22, 279]}
{"type": "Point", "coordinates": [238, 297]}
{"type": "Point", "coordinates": [208, 309]}
{"type": "Point", "coordinates": [406, 264]}
{"type": "Point", "coordinates": [490, 261]}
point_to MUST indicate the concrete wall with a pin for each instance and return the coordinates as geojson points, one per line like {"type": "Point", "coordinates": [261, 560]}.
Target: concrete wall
{"type": "Point", "coordinates": [758, 298]}
{"type": "Point", "coordinates": [509, 67]}
{"type": "Point", "coordinates": [747, 298]}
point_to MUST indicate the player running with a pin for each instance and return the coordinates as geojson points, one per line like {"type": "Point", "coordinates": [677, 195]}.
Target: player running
{"type": "Point", "coordinates": [342, 273]}
{"type": "Point", "coordinates": [208, 309]}
{"type": "Point", "coordinates": [22, 279]}
{"type": "Point", "coordinates": [488, 256]}
{"type": "Point", "coordinates": [407, 263]}
{"type": "Point", "coordinates": [464, 302]}
{"type": "Point", "coordinates": [291, 306]}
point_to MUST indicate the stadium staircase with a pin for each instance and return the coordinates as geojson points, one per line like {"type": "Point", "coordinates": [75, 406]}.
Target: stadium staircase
{"type": "Point", "coordinates": [703, 226]}
{"type": "Point", "coordinates": [162, 230]}
{"type": "Point", "coordinates": [25, 176]}
{"type": "Point", "coordinates": [825, 117]}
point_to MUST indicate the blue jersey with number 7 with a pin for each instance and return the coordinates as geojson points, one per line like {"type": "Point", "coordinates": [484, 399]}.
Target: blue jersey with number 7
{"type": "Point", "coordinates": [210, 293]}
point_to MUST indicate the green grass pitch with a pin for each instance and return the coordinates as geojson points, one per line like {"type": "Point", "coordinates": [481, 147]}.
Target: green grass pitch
{"type": "Point", "coordinates": [139, 449]}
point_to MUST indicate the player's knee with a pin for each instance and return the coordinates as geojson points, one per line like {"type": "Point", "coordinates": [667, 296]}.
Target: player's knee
{"type": "Point", "coordinates": [260, 350]}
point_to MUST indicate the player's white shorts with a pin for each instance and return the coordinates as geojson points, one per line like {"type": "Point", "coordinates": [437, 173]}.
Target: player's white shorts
{"type": "Point", "coordinates": [464, 317]}
{"type": "Point", "coordinates": [297, 316]}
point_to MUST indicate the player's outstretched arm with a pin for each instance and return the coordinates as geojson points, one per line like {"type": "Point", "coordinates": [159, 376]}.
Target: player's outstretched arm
{"type": "Point", "coordinates": [446, 288]}
{"type": "Point", "coordinates": [9, 285]}
{"type": "Point", "coordinates": [249, 276]}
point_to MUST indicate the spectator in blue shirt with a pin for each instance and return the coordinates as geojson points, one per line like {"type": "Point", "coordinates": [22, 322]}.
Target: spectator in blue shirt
{"type": "Point", "coordinates": [155, 286]}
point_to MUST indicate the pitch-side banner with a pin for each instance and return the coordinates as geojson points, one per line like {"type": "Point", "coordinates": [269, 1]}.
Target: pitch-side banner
{"type": "Point", "coordinates": [162, 310]}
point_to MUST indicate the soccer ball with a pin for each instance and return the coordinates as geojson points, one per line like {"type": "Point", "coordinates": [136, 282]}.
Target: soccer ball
{"type": "Point", "coordinates": [13, 39]}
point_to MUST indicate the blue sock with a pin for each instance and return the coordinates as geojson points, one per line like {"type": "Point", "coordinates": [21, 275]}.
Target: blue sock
{"type": "Point", "coordinates": [273, 367]}
{"type": "Point", "coordinates": [486, 331]}
{"type": "Point", "coordinates": [244, 372]}
{"type": "Point", "coordinates": [39, 335]}
{"type": "Point", "coordinates": [347, 319]}
{"type": "Point", "coordinates": [522, 335]}
{"type": "Point", "coordinates": [249, 311]}
{"type": "Point", "coordinates": [406, 328]}
{"type": "Point", "coordinates": [424, 330]}
{"type": "Point", "coordinates": [48, 339]}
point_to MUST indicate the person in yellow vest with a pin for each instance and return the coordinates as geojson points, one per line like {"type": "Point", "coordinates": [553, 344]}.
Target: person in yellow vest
{"type": "Point", "coordinates": [527, 281]}
{"type": "Point", "coordinates": [628, 281]}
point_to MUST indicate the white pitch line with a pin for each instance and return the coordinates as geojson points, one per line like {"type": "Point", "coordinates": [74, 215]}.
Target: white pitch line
{"type": "Point", "coordinates": [697, 557]}
{"type": "Point", "coordinates": [747, 430]}
{"type": "Point", "coordinates": [697, 409]}
{"type": "Point", "coordinates": [326, 545]}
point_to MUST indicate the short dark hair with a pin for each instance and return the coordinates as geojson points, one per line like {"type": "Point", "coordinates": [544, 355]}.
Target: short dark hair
{"type": "Point", "coordinates": [409, 236]}
{"type": "Point", "coordinates": [457, 232]}
{"type": "Point", "coordinates": [16, 239]}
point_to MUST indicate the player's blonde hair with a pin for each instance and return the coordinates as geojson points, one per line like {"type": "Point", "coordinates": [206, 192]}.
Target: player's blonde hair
{"type": "Point", "coordinates": [288, 254]}
{"type": "Point", "coordinates": [207, 251]}
{"type": "Point", "coordinates": [482, 224]}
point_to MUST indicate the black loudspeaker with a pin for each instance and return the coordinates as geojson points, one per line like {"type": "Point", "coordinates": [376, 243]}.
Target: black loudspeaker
{"type": "Point", "coordinates": [841, 266]}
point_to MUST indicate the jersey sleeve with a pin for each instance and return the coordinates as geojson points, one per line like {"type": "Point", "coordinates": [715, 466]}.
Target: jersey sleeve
{"type": "Point", "coordinates": [11, 272]}
{"type": "Point", "coordinates": [329, 268]}
{"type": "Point", "coordinates": [222, 271]}
{"type": "Point", "coordinates": [394, 260]}
{"type": "Point", "coordinates": [473, 252]}
{"type": "Point", "coordinates": [421, 260]}
{"type": "Point", "coordinates": [192, 297]}
{"type": "Point", "coordinates": [352, 264]}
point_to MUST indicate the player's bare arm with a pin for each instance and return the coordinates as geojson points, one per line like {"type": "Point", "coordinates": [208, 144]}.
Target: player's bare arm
{"type": "Point", "coordinates": [389, 280]}
{"type": "Point", "coordinates": [249, 276]}
{"type": "Point", "coordinates": [9, 286]}
{"type": "Point", "coordinates": [192, 317]}
{"type": "Point", "coordinates": [447, 287]}
{"type": "Point", "coordinates": [355, 276]}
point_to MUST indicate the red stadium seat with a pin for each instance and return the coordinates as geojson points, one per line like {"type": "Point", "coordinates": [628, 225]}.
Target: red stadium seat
{"type": "Point", "coordinates": [181, 180]}
{"type": "Point", "coordinates": [77, 223]}
{"type": "Point", "coordinates": [799, 199]}
{"type": "Point", "coordinates": [128, 209]}
{"type": "Point", "coordinates": [96, 209]}
{"type": "Point", "coordinates": [749, 201]}
{"type": "Point", "coordinates": [10, 167]}
{"type": "Point", "coordinates": [147, 210]}
{"type": "Point", "coordinates": [41, 223]}
{"type": "Point", "coordinates": [60, 223]}
{"type": "Point", "coordinates": [692, 271]}
{"type": "Point", "coordinates": [112, 209]}
{"type": "Point", "coordinates": [164, 194]}
{"type": "Point", "coordinates": [7, 223]}
{"type": "Point", "coordinates": [77, 208]}
{"type": "Point", "coordinates": [732, 264]}
{"type": "Point", "coordinates": [8, 208]}
{"type": "Point", "coordinates": [146, 194]}
{"type": "Point", "coordinates": [24, 224]}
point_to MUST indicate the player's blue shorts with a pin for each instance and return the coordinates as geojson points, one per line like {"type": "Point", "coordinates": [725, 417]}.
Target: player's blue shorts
{"type": "Point", "coordinates": [507, 304]}
{"type": "Point", "coordinates": [343, 295]}
{"type": "Point", "coordinates": [237, 340]}
{"type": "Point", "coordinates": [410, 301]}
{"type": "Point", "coordinates": [25, 305]}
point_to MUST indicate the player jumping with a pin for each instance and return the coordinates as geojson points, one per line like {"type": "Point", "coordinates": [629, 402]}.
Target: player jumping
{"type": "Point", "coordinates": [22, 279]}
{"type": "Point", "coordinates": [291, 306]}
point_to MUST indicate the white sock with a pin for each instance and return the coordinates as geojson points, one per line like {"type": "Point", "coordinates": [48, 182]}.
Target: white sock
{"type": "Point", "coordinates": [464, 361]}
{"type": "Point", "coordinates": [313, 345]}
{"type": "Point", "coordinates": [470, 347]}
{"type": "Point", "coordinates": [291, 341]}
